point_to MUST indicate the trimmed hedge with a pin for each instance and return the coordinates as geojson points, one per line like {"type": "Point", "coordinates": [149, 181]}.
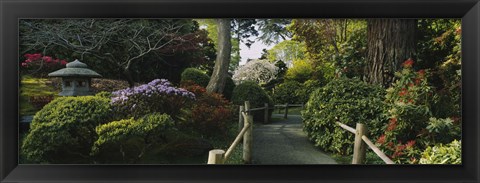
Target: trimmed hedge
{"type": "Point", "coordinates": [251, 91]}
{"type": "Point", "coordinates": [195, 75]}
{"type": "Point", "coordinates": [287, 92]}
{"type": "Point", "coordinates": [349, 101]}
{"type": "Point", "coordinates": [64, 130]}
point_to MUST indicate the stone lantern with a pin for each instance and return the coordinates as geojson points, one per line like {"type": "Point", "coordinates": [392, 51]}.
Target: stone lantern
{"type": "Point", "coordinates": [76, 79]}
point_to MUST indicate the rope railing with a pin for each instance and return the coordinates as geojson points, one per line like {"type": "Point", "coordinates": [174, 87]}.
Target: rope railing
{"type": "Point", "coordinates": [361, 140]}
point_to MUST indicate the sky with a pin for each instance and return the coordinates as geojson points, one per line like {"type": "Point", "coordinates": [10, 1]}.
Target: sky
{"type": "Point", "coordinates": [254, 52]}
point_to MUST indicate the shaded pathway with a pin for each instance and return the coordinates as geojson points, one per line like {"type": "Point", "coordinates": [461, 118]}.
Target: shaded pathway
{"type": "Point", "coordinates": [284, 142]}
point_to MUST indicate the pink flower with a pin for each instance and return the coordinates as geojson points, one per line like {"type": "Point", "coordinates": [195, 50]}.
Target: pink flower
{"type": "Point", "coordinates": [33, 57]}
{"type": "Point", "coordinates": [24, 64]}
{"type": "Point", "coordinates": [63, 62]}
{"type": "Point", "coordinates": [47, 59]}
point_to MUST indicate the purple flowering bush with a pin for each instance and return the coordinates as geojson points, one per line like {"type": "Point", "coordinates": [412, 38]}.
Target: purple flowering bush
{"type": "Point", "coordinates": [158, 95]}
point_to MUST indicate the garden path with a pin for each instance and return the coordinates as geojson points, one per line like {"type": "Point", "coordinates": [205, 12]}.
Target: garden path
{"type": "Point", "coordinates": [284, 142]}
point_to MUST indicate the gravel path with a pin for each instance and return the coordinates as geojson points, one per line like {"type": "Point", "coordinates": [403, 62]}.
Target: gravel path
{"type": "Point", "coordinates": [284, 142]}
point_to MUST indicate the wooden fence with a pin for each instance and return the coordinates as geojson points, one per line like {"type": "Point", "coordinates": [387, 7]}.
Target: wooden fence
{"type": "Point", "coordinates": [361, 142]}
{"type": "Point", "coordinates": [245, 123]}
{"type": "Point", "coordinates": [219, 156]}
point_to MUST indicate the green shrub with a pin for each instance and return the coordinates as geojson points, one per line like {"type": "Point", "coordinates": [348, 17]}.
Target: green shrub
{"type": "Point", "coordinates": [250, 91]}
{"type": "Point", "coordinates": [287, 93]}
{"type": "Point", "coordinates": [64, 130]}
{"type": "Point", "coordinates": [307, 89]}
{"type": "Point", "coordinates": [349, 101]}
{"type": "Point", "coordinates": [195, 75]}
{"type": "Point", "coordinates": [443, 154]}
{"type": "Point", "coordinates": [411, 121]}
{"type": "Point", "coordinates": [128, 140]}
{"type": "Point", "coordinates": [301, 71]}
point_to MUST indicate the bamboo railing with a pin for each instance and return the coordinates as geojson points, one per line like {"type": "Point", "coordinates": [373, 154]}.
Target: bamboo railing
{"type": "Point", "coordinates": [219, 156]}
{"type": "Point", "coordinates": [361, 142]}
{"type": "Point", "coordinates": [245, 124]}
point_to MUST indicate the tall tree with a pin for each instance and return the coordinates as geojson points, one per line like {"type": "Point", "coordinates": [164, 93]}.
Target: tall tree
{"type": "Point", "coordinates": [273, 30]}
{"type": "Point", "coordinates": [224, 48]}
{"type": "Point", "coordinates": [389, 42]}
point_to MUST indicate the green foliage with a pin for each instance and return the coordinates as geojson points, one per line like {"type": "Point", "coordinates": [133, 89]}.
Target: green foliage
{"type": "Point", "coordinates": [195, 75]}
{"type": "Point", "coordinates": [130, 139]}
{"type": "Point", "coordinates": [412, 125]}
{"type": "Point", "coordinates": [443, 130]}
{"type": "Point", "coordinates": [408, 112]}
{"type": "Point", "coordinates": [251, 91]}
{"type": "Point", "coordinates": [287, 51]}
{"type": "Point", "coordinates": [436, 40]}
{"type": "Point", "coordinates": [349, 101]}
{"type": "Point", "coordinates": [443, 154]}
{"type": "Point", "coordinates": [64, 130]}
{"type": "Point", "coordinates": [333, 45]}
{"type": "Point", "coordinates": [287, 93]}
{"type": "Point", "coordinates": [30, 88]}
{"type": "Point", "coordinates": [301, 71]}
{"type": "Point", "coordinates": [308, 88]}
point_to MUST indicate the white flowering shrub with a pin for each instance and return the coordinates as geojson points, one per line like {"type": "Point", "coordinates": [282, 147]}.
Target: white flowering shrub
{"type": "Point", "coordinates": [259, 71]}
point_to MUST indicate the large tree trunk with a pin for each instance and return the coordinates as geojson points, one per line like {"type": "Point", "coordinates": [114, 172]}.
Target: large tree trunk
{"type": "Point", "coordinates": [220, 71]}
{"type": "Point", "coordinates": [390, 42]}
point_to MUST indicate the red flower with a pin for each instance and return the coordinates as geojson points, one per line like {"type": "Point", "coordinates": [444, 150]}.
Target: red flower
{"type": "Point", "coordinates": [24, 64]}
{"type": "Point", "coordinates": [410, 144]}
{"type": "Point", "coordinates": [421, 72]}
{"type": "Point", "coordinates": [381, 139]}
{"type": "Point", "coordinates": [408, 63]}
{"type": "Point", "coordinates": [392, 125]}
{"type": "Point", "coordinates": [418, 80]}
{"type": "Point", "coordinates": [390, 144]}
{"type": "Point", "coordinates": [403, 93]}
{"type": "Point", "coordinates": [63, 62]}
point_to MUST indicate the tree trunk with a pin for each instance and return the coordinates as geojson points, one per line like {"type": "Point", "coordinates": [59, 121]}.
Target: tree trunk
{"type": "Point", "coordinates": [390, 42]}
{"type": "Point", "coordinates": [220, 71]}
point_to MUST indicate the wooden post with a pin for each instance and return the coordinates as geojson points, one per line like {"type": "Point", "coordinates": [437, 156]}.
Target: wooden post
{"type": "Point", "coordinates": [286, 111]}
{"type": "Point", "coordinates": [247, 137]}
{"type": "Point", "coordinates": [265, 119]}
{"type": "Point", "coordinates": [215, 156]}
{"type": "Point", "coordinates": [359, 146]}
{"type": "Point", "coordinates": [240, 117]}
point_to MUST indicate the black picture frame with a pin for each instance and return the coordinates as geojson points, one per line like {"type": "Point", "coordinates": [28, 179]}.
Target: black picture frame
{"type": "Point", "coordinates": [12, 10]}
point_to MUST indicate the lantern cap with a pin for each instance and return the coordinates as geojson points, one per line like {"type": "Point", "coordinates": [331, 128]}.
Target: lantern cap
{"type": "Point", "coordinates": [75, 69]}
